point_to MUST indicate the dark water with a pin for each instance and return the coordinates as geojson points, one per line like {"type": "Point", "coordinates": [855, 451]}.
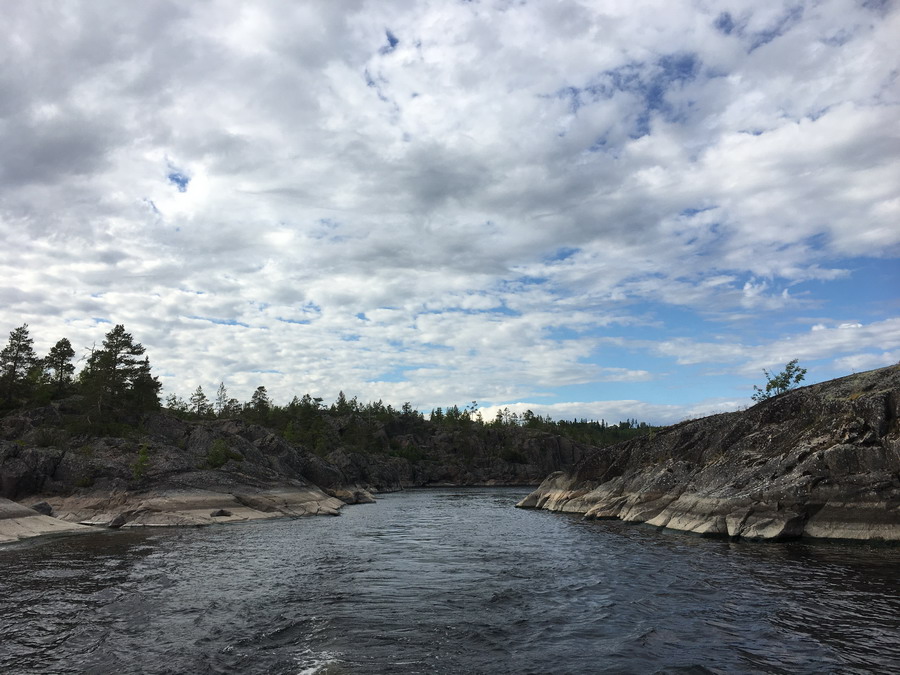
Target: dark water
{"type": "Point", "coordinates": [444, 581]}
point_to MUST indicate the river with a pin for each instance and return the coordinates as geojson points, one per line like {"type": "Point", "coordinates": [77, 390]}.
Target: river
{"type": "Point", "coordinates": [444, 581]}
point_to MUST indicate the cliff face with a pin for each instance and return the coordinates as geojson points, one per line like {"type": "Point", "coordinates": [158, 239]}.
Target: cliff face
{"type": "Point", "coordinates": [821, 461]}
{"type": "Point", "coordinates": [461, 457]}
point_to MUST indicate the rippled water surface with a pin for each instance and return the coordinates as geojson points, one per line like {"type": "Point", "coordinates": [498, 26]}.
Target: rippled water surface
{"type": "Point", "coordinates": [444, 581]}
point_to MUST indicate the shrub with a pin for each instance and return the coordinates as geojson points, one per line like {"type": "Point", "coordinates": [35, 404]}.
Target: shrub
{"type": "Point", "coordinates": [139, 468]}
{"type": "Point", "coordinates": [410, 453]}
{"type": "Point", "coordinates": [790, 377]}
{"type": "Point", "coordinates": [219, 454]}
{"type": "Point", "coordinates": [46, 437]}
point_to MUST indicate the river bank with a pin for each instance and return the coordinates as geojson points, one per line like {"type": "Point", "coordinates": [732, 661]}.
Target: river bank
{"type": "Point", "coordinates": [21, 522]}
{"type": "Point", "coordinates": [162, 508]}
{"type": "Point", "coordinates": [822, 461]}
{"type": "Point", "coordinates": [168, 471]}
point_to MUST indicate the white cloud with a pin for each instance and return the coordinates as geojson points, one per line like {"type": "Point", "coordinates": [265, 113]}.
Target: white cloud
{"type": "Point", "coordinates": [867, 361]}
{"type": "Point", "coordinates": [480, 193]}
{"type": "Point", "coordinates": [820, 342]}
{"type": "Point", "coordinates": [613, 412]}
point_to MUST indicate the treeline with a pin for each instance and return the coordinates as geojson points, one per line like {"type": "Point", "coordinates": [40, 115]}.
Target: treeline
{"type": "Point", "coordinates": [115, 386]}
{"type": "Point", "coordinates": [371, 426]}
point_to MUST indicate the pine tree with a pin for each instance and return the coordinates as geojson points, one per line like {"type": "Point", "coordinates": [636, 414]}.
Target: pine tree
{"type": "Point", "coordinates": [144, 394]}
{"type": "Point", "coordinates": [257, 410]}
{"type": "Point", "coordinates": [117, 379]}
{"type": "Point", "coordinates": [176, 404]}
{"type": "Point", "coordinates": [199, 403]}
{"type": "Point", "coordinates": [340, 406]}
{"type": "Point", "coordinates": [59, 367]}
{"type": "Point", "coordinates": [232, 408]}
{"type": "Point", "coordinates": [17, 360]}
{"type": "Point", "coordinates": [221, 404]}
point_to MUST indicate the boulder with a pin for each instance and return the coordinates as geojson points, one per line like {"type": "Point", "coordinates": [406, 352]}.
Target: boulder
{"type": "Point", "coordinates": [42, 508]}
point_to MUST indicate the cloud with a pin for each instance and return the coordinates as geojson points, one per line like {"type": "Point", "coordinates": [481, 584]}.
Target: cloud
{"type": "Point", "coordinates": [613, 412]}
{"type": "Point", "coordinates": [501, 190]}
{"type": "Point", "coordinates": [868, 344]}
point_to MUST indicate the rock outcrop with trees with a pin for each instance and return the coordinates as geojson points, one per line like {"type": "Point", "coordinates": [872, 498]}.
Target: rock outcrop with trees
{"type": "Point", "coordinates": [97, 447]}
{"type": "Point", "coordinates": [819, 461]}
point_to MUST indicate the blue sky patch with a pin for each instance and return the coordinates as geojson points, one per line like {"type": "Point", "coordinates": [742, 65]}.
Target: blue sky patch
{"type": "Point", "coordinates": [866, 293]}
{"type": "Point", "coordinates": [179, 180]}
{"type": "Point", "coordinates": [392, 43]}
{"type": "Point", "coordinates": [562, 253]}
{"type": "Point", "coordinates": [725, 23]}
{"type": "Point", "coordinates": [392, 375]}
{"type": "Point", "coordinates": [690, 213]}
{"type": "Point", "coordinates": [221, 322]}
{"type": "Point", "coordinates": [679, 67]}
{"type": "Point", "coordinates": [648, 81]}
{"type": "Point", "coordinates": [784, 23]}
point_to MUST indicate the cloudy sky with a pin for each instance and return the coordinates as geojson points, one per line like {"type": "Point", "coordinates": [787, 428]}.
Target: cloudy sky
{"type": "Point", "coordinates": [605, 208]}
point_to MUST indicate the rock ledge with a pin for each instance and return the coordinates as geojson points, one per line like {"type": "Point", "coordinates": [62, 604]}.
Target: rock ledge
{"type": "Point", "coordinates": [822, 461]}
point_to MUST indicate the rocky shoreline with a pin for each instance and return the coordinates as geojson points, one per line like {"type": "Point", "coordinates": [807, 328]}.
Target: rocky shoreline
{"type": "Point", "coordinates": [174, 472]}
{"type": "Point", "coordinates": [79, 513]}
{"type": "Point", "coordinates": [166, 508]}
{"type": "Point", "coordinates": [821, 462]}
{"type": "Point", "coordinates": [21, 522]}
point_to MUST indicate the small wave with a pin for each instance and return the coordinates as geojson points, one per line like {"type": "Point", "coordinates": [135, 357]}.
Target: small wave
{"type": "Point", "coordinates": [312, 662]}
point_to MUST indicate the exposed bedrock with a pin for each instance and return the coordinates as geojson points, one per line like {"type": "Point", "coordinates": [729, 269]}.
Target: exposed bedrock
{"type": "Point", "coordinates": [175, 472]}
{"type": "Point", "coordinates": [21, 522]}
{"type": "Point", "coordinates": [821, 461]}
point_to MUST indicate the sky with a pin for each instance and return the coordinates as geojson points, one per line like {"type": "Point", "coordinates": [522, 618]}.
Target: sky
{"type": "Point", "coordinates": [600, 210]}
